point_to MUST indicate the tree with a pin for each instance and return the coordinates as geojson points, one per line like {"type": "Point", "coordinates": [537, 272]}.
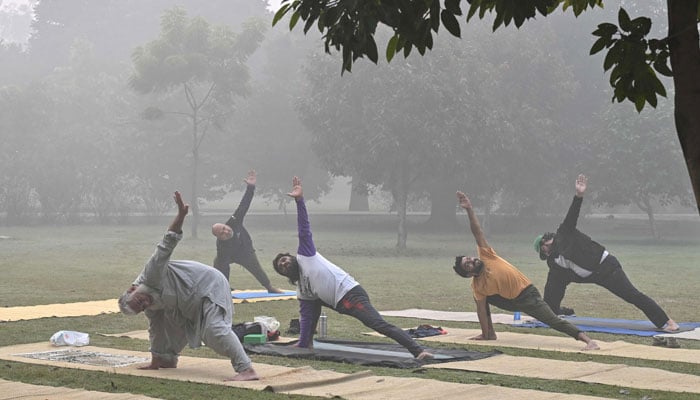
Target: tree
{"type": "Point", "coordinates": [206, 66]}
{"type": "Point", "coordinates": [266, 133]}
{"type": "Point", "coordinates": [15, 19]}
{"type": "Point", "coordinates": [429, 137]}
{"type": "Point", "coordinates": [633, 59]}
{"type": "Point", "coordinates": [57, 23]}
{"type": "Point", "coordinates": [19, 132]}
{"type": "Point", "coordinates": [638, 163]}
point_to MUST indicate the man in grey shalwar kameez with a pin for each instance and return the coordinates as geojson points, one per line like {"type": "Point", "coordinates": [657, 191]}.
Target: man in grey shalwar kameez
{"type": "Point", "coordinates": [186, 302]}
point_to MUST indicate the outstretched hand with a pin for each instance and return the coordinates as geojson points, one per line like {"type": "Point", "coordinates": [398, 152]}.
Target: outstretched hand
{"type": "Point", "coordinates": [251, 178]}
{"type": "Point", "coordinates": [581, 185]}
{"type": "Point", "coordinates": [182, 208]}
{"type": "Point", "coordinates": [464, 201]}
{"type": "Point", "coordinates": [297, 191]}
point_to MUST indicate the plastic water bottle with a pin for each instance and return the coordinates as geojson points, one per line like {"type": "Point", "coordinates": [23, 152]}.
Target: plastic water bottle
{"type": "Point", "coordinates": [516, 317]}
{"type": "Point", "coordinates": [323, 325]}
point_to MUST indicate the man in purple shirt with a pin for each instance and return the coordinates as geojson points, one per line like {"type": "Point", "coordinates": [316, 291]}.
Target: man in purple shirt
{"type": "Point", "coordinates": [321, 283]}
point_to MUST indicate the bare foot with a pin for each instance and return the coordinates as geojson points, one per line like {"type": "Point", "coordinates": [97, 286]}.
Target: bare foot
{"type": "Point", "coordinates": [424, 355]}
{"type": "Point", "coordinates": [671, 326]}
{"type": "Point", "coordinates": [481, 337]}
{"type": "Point", "coordinates": [158, 362]}
{"type": "Point", "coordinates": [247, 375]}
{"type": "Point", "coordinates": [274, 290]}
{"type": "Point", "coordinates": [168, 364]}
{"type": "Point", "coordinates": [592, 345]}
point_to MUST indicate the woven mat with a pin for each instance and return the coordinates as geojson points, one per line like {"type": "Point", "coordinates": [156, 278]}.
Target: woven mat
{"type": "Point", "coordinates": [566, 344]}
{"type": "Point", "coordinates": [591, 372]}
{"type": "Point", "coordinates": [280, 379]}
{"type": "Point", "coordinates": [59, 310]}
{"type": "Point", "coordinates": [143, 335]}
{"type": "Point", "coordinates": [98, 307]}
{"type": "Point", "coordinates": [16, 390]}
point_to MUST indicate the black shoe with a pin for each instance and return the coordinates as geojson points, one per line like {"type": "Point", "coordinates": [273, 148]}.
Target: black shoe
{"type": "Point", "coordinates": [294, 327]}
{"type": "Point", "coordinates": [567, 311]}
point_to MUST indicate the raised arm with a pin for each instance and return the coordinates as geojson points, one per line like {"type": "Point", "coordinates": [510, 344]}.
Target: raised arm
{"type": "Point", "coordinates": [474, 225]}
{"type": "Point", "coordinates": [572, 215]}
{"type": "Point", "coordinates": [153, 270]}
{"type": "Point", "coordinates": [182, 210]}
{"type": "Point", "coordinates": [237, 217]}
{"type": "Point", "coordinates": [581, 185]}
{"type": "Point", "coordinates": [306, 243]}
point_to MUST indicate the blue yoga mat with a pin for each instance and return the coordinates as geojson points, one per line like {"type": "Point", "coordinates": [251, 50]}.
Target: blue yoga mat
{"type": "Point", "coordinates": [261, 294]}
{"type": "Point", "coordinates": [615, 326]}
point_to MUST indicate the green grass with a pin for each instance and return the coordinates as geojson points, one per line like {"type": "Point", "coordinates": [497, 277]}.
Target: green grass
{"type": "Point", "coordinates": [43, 265]}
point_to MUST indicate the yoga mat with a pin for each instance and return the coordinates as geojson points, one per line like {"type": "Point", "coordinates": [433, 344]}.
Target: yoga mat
{"type": "Point", "coordinates": [459, 316]}
{"type": "Point", "coordinates": [98, 307]}
{"type": "Point", "coordinates": [252, 296]}
{"type": "Point", "coordinates": [10, 390]}
{"type": "Point", "coordinates": [59, 310]}
{"type": "Point", "coordinates": [364, 353]}
{"type": "Point", "coordinates": [143, 335]}
{"type": "Point", "coordinates": [590, 372]}
{"type": "Point", "coordinates": [692, 335]}
{"type": "Point", "coordinates": [614, 326]}
{"type": "Point", "coordinates": [280, 379]}
{"type": "Point", "coordinates": [566, 344]}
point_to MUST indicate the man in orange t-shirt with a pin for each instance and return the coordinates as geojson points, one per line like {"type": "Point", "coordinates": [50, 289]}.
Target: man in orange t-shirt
{"type": "Point", "coordinates": [496, 281]}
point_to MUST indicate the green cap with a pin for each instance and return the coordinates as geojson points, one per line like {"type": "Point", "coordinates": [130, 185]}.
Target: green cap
{"type": "Point", "coordinates": [538, 243]}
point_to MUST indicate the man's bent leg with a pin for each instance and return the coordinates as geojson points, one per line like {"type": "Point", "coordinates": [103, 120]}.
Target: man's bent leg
{"type": "Point", "coordinates": [218, 336]}
{"type": "Point", "coordinates": [532, 304]}
{"type": "Point", "coordinates": [167, 339]}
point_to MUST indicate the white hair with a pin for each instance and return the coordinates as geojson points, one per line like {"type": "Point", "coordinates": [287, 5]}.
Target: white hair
{"type": "Point", "coordinates": [141, 288]}
{"type": "Point", "coordinates": [124, 304]}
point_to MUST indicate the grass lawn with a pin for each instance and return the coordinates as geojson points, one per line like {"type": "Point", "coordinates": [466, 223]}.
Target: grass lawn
{"type": "Point", "coordinates": [44, 265]}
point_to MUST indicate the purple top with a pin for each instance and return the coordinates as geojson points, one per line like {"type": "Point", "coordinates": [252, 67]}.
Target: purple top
{"type": "Point", "coordinates": [306, 242]}
{"type": "Point", "coordinates": [309, 311]}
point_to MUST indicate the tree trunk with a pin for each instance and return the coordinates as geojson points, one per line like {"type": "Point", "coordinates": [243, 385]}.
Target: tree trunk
{"type": "Point", "coordinates": [194, 203]}
{"type": "Point", "coordinates": [400, 202]}
{"type": "Point", "coordinates": [359, 196]}
{"type": "Point", "coordinates": [400, 194]}
{"type": "Point", "coordinates": [685, 63]}
{"type": "Point", "coordinates": [645, 205]}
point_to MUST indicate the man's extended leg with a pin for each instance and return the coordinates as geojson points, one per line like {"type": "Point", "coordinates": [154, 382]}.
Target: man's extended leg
{"type": "Point", "coordinates": [530, 301]}
{"type": "Point", "coordinates": [251, 263]}
{"type": "Point", "coordinates": [356, 303]}
{"type": "Point", "coordinates": [616, 281]}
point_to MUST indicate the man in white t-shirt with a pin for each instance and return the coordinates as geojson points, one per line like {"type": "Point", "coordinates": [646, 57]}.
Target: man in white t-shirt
{"type": "Point", "coordinates": [321, 283]}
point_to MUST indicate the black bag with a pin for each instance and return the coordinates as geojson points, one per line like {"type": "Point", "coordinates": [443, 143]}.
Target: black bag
{"type": "Point", "coordinates": [246, 328]}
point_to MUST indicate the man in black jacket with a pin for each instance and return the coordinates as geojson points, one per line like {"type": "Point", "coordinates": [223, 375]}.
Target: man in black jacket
{"type": "Point", "coordinates": [233, 242]}
{"type": "Point", "coordinates": [572, 256]}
